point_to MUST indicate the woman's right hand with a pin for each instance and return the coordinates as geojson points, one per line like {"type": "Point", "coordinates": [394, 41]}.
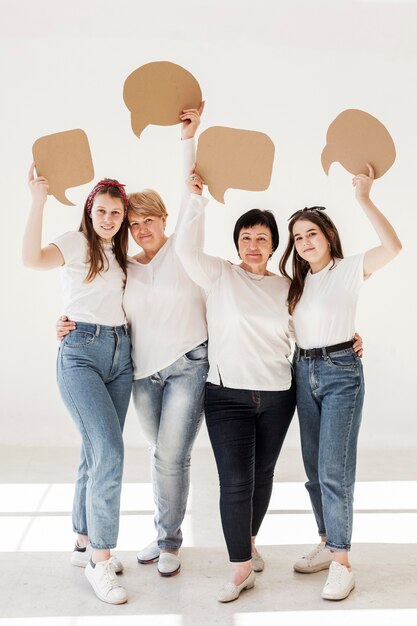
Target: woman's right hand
{"type": "Point", "coordinates": [194, 182]}
{"type": "Point", "coordinates": [38, 187]}
{"type": "Point", "coordinates": [63, 327]}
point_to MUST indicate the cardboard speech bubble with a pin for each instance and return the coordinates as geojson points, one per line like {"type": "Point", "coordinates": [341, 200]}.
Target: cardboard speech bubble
{"type": "Point", "coordinates": [356, 138]}
{"type": "Point", "coordinates": [158, 92]}
{"type": "Point", "coordinates": [65, 160]}
{"type": "Point", "coordinates": [234, 158]}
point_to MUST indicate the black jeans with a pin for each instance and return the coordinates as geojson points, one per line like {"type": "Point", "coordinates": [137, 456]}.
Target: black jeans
{"type": "Point", "coordinates": [247, 430]}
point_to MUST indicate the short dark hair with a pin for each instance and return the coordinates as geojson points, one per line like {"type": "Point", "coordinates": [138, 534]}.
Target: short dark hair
{"type": "Point", "coordinates": [255, 217]}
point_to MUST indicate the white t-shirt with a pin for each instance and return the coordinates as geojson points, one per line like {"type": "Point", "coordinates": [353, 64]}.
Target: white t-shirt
{"type": "Point", "coordinates": [165, 308]}
{"type": "Point", "coordinates": [247, 314]}
{"type": "Point", "coordinates": [325, 315]}
{"type": "Point", "coordinates": [95, 302]}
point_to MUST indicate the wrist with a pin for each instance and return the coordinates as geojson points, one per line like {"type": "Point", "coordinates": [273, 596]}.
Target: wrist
{"type": "Point", "coordinates": [38, 205]}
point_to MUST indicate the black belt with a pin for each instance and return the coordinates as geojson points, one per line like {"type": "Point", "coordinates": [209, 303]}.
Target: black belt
{"type": "Point", "coordinates": [323, 351]}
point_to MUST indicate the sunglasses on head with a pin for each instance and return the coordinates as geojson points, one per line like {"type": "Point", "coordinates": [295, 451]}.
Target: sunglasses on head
{"type": "Point", "coordinates": [310, 209]}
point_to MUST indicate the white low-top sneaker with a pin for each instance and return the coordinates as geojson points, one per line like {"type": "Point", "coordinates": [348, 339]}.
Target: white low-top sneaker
{"type": "Point", "coordinates": [104, 581]}
{"type": "Point", "coordinates": [319, 558]}
{"type": "Point", "coordinates": [169, 564]}
{"type": "Point", "coordinates": [81, 556]}
{"type": "Point", "coordinates": [148, 555]}
{"type": "Point", "coordinates": [339, 583]}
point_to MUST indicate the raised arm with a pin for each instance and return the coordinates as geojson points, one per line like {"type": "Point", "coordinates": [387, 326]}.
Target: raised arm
{"type": "Point", "coordinates": [390, 244]}
{"type": "Point", "coordinates": [34, 255]}
{"type": "Point", "coordinates": [190, 123]}
{"type": "Point", "coordinates": [202, 268]}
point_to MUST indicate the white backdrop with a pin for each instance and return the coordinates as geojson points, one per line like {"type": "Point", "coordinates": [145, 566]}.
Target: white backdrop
{"type": "Point", "coordinates": [286, 68]}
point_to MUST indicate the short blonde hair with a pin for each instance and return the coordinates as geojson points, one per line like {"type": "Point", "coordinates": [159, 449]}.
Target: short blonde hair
{"type": "Point", "coordinates": [147, 202]}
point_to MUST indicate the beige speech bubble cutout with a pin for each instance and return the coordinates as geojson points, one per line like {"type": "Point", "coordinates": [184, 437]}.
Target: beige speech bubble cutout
{"type": "Point", "coordinates": [234, 158]}
{"type": "Point", "coordinates": [157, 93]}
{"type": "Point", "coordinates": [356, 138]}
{"type": "Point", "coordinates": [65, 160]}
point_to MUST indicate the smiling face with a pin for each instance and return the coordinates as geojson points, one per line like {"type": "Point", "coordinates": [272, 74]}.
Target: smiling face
{"type": "Point", "coordinates": [255, 247]}
{"type": "Point", "coordinates": [107, 215]}
{"type": "Point", "coordinates": [147, 230]}
{"type": "Point", "coordinates": [311, 244]}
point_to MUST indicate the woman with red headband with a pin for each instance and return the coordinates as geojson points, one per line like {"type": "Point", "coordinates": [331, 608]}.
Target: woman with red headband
{"type": "Point", "coordinates": [94, 364]}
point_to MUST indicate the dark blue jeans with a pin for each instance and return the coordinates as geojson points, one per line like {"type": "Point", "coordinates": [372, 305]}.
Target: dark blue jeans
{"type": "Point", "coordinates": [247, 430]}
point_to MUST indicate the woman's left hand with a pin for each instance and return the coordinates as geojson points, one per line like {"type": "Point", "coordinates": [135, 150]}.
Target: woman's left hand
{"type": "Point", "coordinates": [358, 344]}
{"type": "Point", "coordinates": [363, 183]}
{"type": "Point", "coordinates": [194, 182]}
{"type": "Point", "coordinates": [191, 121]}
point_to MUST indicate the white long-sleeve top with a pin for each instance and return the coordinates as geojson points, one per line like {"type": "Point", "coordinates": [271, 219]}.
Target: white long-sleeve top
{"type": "Point", "coordinates": [247, 314]}
{"type": "Point", "coordinates": [164, 307]}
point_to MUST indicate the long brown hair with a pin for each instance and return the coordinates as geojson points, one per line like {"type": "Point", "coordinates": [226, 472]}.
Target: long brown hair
{"type": "Point", "coordinates": [96, 257]}
{"type": "Point", "coordinates": [300, 267]}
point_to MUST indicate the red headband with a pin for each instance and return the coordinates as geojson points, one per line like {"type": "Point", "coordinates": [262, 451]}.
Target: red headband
{"type": "Point", "coordinates": [103, 186]}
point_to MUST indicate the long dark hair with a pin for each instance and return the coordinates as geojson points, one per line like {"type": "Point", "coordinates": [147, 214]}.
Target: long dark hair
{"type": "Point", "coordinates": [300, 267]}
{"type": "Point", "coordinates": [96, 257]}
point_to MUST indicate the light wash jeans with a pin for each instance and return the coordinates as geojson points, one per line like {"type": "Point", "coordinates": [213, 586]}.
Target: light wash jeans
{"type": "Point", "coordinates": [170, 409]}
{"type": "Point", "coordinates": [330, 393]}
{"type": "Point", "coordinates": [95, 380]}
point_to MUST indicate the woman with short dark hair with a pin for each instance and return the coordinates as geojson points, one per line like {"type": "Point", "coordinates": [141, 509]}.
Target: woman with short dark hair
{"type": "Point", "coordinates": [250, 398]}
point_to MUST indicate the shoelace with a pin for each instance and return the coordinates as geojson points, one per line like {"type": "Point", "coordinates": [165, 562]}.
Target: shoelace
{"type": "Point", "coordinates": [315, 551]}
{"type": "Point", "coordinates": [111, 575]}
{"type": "Point", "coordinates": [335, 574]}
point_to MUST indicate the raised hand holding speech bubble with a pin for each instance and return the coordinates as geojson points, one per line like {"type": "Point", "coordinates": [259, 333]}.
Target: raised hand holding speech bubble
{"type": "Point", "coordinates": [356, 138]}
{"type": "Point", "coordinates": [234, 158]}
{"type": "Point", "coordinates": [158, 92]}
{"type": "Point", "coordinates": [64, 159]}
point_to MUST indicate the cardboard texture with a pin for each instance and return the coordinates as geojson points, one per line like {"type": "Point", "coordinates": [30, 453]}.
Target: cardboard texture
{"type": "Point", "coordinates": [356, 138]}
{"type": "Point", "coordinates": [234, 158]}
{"type": "Point", "coordinates": [157, 93]}
{"type": "Point", "coordinates": [65, 160]}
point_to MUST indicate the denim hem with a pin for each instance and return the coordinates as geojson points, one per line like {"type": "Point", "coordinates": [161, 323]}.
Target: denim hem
{"type": "Point", "coordinates": [107, 547]}
{"type": "Point", "coordinates": [334, 547]}
{"type": "Point", "coordinates": [80, 532]}
{"type": "Point", "coordinates": [163, 545]}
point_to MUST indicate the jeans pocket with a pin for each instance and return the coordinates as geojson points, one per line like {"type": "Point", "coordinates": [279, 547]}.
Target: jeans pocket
{"type": "Point", "coordinates": [343, 360]}
{"type": "Point", "coordinates": [198, 354]}
{"type": "Point", "coordinates": [79, 339]}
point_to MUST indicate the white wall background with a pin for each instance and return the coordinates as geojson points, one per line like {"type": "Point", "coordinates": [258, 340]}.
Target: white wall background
{"type": "Point", "coordinates": [286, 68]}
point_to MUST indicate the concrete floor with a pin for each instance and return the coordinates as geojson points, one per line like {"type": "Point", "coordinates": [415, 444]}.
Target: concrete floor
{"type": "Point", "coordinates": [38, 586]}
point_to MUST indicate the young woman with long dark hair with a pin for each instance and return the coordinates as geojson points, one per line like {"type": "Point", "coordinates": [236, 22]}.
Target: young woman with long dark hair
{"type": "Point", "coordinates": [322, 299]}
{"type": "Point", "coordinates": [94, 365]}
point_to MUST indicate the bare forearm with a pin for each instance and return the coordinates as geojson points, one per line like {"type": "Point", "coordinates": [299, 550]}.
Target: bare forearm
{"type": "Point", "coordinates": [383, 228]}
{"type": "Point", "coordinates": [32, 238]}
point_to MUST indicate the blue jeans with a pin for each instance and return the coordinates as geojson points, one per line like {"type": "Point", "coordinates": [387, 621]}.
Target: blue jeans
{"type": "Point", "coordinates": [330, 393]}
{"type": "Point", "coordinates": [170, 409]}
{"type": "Point", "coordinates": [95, 380]}
{"type": "Point", "coordinates": [247, 430]}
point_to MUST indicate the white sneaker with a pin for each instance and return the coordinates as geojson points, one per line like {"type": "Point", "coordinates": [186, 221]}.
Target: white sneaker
{"type": "Point", "coordinates": [104, 581]}
{"type": "Point", "coordinates": [339, 583]}
{"type": "Point", "coordinates": [169, 564]}
{"type": "Point", "coordinates": [148, 555]}
{"type": "Point", "coordinates": [81, 556]}
{"type": "Point", "coordinates": [319, 558]}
